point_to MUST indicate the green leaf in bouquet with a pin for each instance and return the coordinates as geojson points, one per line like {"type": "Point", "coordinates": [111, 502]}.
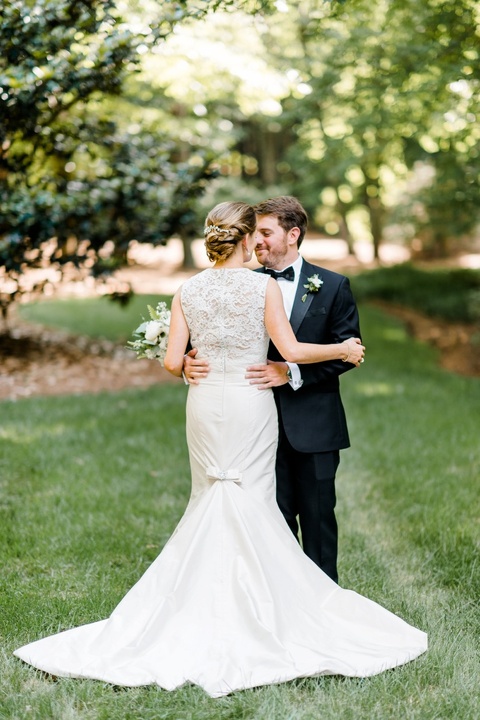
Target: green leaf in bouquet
{"type": "Point", "coordinates": [141, 328]}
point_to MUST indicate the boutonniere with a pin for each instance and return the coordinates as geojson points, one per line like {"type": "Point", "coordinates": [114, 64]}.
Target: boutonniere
{"type": "Point", "coordinates": [314, 284]}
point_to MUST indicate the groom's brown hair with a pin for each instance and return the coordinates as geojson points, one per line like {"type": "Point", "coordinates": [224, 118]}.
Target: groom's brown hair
{"type": "Point", "coordinates": [288, 211]}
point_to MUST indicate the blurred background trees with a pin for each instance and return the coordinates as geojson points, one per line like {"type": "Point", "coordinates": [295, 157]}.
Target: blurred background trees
{"type": "Point", "coordinates": [384, 117]}
{"type": "Point", "coordinates": [79, 178]}
{"type": "Point", "coordinates": [125, 120]}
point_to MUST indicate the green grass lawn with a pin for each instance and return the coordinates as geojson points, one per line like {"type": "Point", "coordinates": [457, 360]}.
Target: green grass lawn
{"type": "Point", "coordinates": [92, 486]}
{"type": "Point", "coordinates": [96, 316]}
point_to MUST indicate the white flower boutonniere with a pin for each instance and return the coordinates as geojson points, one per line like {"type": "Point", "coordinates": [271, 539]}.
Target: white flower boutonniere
{"type": "Point", "coordinates": [314, 284]}
{"type": "Point", "coordinates": [151, 336]}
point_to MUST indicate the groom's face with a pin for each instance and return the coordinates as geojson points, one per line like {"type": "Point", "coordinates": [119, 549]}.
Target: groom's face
{"type": "Point", "coordinates": [272, 245]}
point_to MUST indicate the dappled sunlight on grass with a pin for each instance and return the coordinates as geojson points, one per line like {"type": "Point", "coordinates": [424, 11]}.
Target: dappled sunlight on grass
{"type": "Point", "coordinates": [372, 389]}
{"type": "Point", "coordinates": [395, 334]}
{"type": "Point", "coordinates": [32, 434]}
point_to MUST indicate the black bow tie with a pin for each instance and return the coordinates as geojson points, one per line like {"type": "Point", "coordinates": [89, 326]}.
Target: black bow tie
{"type": "Point", "coordinates": [287, 274]}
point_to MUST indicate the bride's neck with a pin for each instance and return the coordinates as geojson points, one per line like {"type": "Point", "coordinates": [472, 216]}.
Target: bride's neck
{"type": "Point", "coordinates": [235, 260]}
{"type": "Point", "coordinates": [228, 265]}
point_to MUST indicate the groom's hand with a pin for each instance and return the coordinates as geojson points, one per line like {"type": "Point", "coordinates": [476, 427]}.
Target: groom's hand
{"type": "Point", "coordinates": [267, 376]}
{"type": "Point", "coordinates": [194, 368]}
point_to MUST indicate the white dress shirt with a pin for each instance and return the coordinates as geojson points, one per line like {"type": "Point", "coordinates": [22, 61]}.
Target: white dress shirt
{"type": "Point", "coordinates": [289, 290]}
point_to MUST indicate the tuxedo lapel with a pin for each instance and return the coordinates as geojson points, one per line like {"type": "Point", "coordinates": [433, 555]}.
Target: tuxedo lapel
{"type": "Point", "coordinates": [300, 308]}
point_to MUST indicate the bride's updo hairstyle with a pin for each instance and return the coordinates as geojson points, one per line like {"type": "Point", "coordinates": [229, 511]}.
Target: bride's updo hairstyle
{"type": "Point", "coordinates": [225, 226]}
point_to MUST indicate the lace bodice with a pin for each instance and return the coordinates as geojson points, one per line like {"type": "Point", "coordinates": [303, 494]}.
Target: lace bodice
{"type": "Point", "coordinates": [224, 310]}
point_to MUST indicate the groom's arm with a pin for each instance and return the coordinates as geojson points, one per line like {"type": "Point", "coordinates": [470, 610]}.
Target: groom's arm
{"type": "Point", "coordinates": [343, 324]}
{"type": "Point", "coordinates": [194, 369]}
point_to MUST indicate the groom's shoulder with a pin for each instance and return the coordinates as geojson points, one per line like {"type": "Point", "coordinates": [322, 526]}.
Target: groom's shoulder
{"type": "Point", "coordinates": [322, 272]}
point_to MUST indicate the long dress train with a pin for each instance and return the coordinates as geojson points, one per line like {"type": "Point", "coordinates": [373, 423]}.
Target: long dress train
{"type": "Point", "coordinates": [231, 602]}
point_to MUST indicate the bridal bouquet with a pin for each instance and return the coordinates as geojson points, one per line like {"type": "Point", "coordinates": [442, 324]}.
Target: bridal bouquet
{"type": "Point", "coordinates": [152, 335]}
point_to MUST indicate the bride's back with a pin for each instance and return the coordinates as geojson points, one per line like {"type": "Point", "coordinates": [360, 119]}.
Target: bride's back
{"type": "Point", "coordinates": [224, 309]}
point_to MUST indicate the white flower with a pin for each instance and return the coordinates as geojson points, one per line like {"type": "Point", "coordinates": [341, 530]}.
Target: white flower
{"type": "Point", "coordinates": [153, 330]}
{"type": "Point", "coordinates": [151, 337]}
{"type": "Point", "coordinates": [162, 344]}
{"type": "Point", "coordinates": [315, 281]}
{"type": "Point", "coordinates": [314, 284]}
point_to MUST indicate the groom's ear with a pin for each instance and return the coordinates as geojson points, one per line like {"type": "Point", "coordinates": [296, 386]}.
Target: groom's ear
{"type": "Point", "coordinates": [293, 235]}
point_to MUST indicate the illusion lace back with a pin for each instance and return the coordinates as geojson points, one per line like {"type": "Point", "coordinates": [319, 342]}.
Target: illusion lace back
{"type": "Point", "coordinates": [231, 602]}
{"type": "Point", "coordinates": [224, 310]}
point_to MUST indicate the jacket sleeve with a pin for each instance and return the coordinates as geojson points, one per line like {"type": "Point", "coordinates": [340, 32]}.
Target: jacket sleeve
{"type": "Point", "coordinates": [343, 323]}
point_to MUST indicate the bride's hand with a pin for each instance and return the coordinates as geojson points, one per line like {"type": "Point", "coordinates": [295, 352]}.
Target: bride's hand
{"type": "Point", "coordinates": [354, 351]}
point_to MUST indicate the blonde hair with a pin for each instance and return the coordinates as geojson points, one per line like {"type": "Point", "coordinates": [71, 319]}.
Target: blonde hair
{"type": "Point", "coordinates": [225, 226]}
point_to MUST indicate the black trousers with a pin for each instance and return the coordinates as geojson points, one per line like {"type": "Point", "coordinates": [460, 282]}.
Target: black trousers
{"type": "Point", "coordinates": [306, 496]}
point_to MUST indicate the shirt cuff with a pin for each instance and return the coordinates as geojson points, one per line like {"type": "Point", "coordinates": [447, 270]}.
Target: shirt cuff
{"type": "Point", "coordinates": [296, 382]}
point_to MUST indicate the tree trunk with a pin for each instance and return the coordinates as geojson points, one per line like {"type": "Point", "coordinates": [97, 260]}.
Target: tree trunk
{"type": "Point", "coordinates": [375, 210]}
{"type": "Point", "coordinates": [371, 199]}
{"type": "Point", "coordinates": [440, 245]}
{"type": "Point", "coordinates": [344, 229]}
{"type": "Point", "coordinates": [4, 308]}
{"type": "Point", "coordinates": [188, 261]}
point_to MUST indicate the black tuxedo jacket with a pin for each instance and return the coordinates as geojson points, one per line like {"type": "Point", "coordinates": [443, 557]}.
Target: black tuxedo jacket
{"type": "Point", "coordinates": [313, 416]}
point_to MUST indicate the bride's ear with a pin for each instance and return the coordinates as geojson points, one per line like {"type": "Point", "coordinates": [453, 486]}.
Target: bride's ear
{"type": "Point", "coordinates": [247, 254]}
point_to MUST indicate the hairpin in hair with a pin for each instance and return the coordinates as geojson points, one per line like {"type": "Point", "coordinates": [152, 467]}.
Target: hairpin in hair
{"type": "Point", "coordinates": [209, 229]}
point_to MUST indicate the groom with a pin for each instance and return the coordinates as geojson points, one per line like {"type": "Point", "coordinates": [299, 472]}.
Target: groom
{"type": "Point", "coordinates": [312, 425]}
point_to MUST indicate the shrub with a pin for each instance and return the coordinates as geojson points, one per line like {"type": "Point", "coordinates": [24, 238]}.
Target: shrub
{"type": "Point", "coordinates": [450, 294]}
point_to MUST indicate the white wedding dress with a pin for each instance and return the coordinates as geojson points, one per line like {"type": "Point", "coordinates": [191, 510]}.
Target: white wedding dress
{"type": "Point", "coordinates": [231, 602]}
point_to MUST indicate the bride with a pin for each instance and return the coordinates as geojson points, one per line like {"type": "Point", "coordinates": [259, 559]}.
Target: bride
{"type": "Point", "coordinates": [232, 602]}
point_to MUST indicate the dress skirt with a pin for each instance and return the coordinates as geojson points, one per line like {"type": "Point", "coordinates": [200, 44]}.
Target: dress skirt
{"type": "Point", "coordinates": [231, 602]}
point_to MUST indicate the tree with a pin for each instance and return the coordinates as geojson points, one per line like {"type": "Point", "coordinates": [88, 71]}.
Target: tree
{"type": "Point", "coordinates": [443, 153]}
{"type": "Point", "coordinates": [75, 186]}
{"type": "Point", "coordinates": [56, 60]}
{"type": "Point", "coordinates": [378, 90]}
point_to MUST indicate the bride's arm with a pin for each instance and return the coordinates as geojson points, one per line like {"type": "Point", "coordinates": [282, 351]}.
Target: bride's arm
{"type": "Point", "coordinates": [282, 336]}
{"type": "Point", "coordinates": [177, 338]}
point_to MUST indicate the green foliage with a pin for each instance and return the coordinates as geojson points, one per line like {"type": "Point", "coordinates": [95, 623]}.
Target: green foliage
{"type": "Point", "coordinates": [384, 111]}
{"type": "Point", "coordinates": [75, 187]}
{"type": "Point", "coordinates": [447, 206]}
{"type": "Point", "coordinates": [223, 189]}
{"type": "Point", "coordinates": [367, 113]}
{"type": "Point", "coordinates": [182, 9]}
{"type": "Point", "coordinates": [449, 294]}
{"type": "Point", "coordinates": [92, 489]}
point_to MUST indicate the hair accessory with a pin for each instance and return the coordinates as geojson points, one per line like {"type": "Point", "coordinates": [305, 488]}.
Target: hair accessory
{"type": "Point", "coordinates": [209, 229]}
